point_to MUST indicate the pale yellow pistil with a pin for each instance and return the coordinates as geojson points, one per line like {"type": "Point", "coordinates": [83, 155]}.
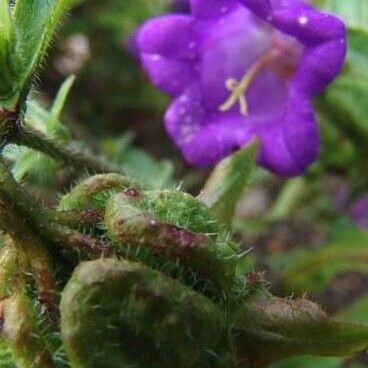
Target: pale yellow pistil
{"type": "Point", "coordinates": [239, 89]}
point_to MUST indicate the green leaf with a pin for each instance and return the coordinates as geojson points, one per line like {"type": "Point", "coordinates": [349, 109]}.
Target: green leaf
{"type": "Point", "coordinates": [52, 122]}
{"type": "Point", "coordinates": [228, 182]}
{"type": "Point", "coordinates": [42, 170]}
{"type": "Point", "coordinates": [48, 121]}
{"type": "Point", "coordinates": [35, 23]}
{"type": "Point", "coordinates": [140, 165]}
{"type": "Point", "coordinates": [137, 163]}
{"type": "Point", "coordinates": [5, 25]}
{"type": "Point", "coordinates": [344, 103]}
{"type": "Point", "coordinates": [270, 329]}
{"type": "Point", "coordinates": [287, 199]}
{"type": "Point", "coordinates": [6, 42]}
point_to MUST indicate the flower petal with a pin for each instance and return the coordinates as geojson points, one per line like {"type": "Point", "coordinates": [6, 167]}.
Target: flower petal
{"type": "Point", "coordinates": [264, 8]}
{"type": "Point", "coordinates": [212, 8]}
{"type": "Point", "coordinates": [171, 76]}
{"type": "Point", "coordinates": [169, 36]}
{"type": "Point", "coordinates": [258, 7]}
{"type": "Point", "coordinates": [185, 116]}
{"type": "Point", "coordinates": [300, 131]}
{"type": "Point", "coordinates": [319, 67]}
{"type": "Point", "coordinates": [324, 36]}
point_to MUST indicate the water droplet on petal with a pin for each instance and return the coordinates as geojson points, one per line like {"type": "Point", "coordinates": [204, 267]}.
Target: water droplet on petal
{"type": "Point", "coordinates": [303, 20]}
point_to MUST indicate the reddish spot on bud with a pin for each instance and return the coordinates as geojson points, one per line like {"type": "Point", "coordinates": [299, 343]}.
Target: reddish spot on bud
{"type": "Point", "coordinates": [132, 192]}
{"type": "Point", "coordinates": [184, 238]}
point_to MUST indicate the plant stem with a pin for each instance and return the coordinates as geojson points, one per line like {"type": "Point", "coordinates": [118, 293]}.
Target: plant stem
{"type": "Point", "coordinates": [38, 257]}
{"type": "Point", "coordinates": [16, 200]}
{"type": "Point", "coordinates": [26, 135]}
{"type": "Point", "coordinates": [77, 218]}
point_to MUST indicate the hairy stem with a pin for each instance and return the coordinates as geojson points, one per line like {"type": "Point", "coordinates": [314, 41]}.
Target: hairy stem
{"type": "Point", "coordinates": [78, 218]}
{"type": "Point", "coordinates": [13, 129]}
{"type": "Point", "coordinates": [67, 153]}
{"type": "Point", "coordinates": [38, 257]}
{"type": "Point", "coordinates": [16, 200]}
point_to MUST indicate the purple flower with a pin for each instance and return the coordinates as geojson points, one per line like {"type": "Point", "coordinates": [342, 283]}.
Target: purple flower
{"type": "Point", "coordinates": [244, 69]}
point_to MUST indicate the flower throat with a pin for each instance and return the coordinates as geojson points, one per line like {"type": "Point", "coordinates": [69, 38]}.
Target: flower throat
{"type": "Point", "coordinates": [238, 89]}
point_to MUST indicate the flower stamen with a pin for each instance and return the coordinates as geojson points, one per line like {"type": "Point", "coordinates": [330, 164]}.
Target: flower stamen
{"type": "Point", "coordinates": [239, 89]}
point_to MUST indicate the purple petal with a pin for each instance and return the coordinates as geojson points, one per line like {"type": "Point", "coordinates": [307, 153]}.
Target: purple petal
{"type": "Point", "coordinates": [171, 76]}
{"type": "Point", "coordinates": [212, 8]}
{"type": "Point", "coordinates": [169, 36]}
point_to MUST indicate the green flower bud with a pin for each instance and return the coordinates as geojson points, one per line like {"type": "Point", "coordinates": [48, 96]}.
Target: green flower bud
{"type": "Point", "coordinates": [121, 314]}
{"type": "Point", "coordinates": [94, 192]}
{"type": "Point", "coordinates": [174, 225]}
{"type": "Point", "coordinates": [269, 329]}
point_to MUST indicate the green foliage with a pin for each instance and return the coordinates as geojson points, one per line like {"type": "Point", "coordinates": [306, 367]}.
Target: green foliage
{"type": "Point", "coordinates": [52, 124]}
{"type": "Point", "coordinates": [116, 311]}
{"type": "Point", "coordinates": [190, 300]}
{"type": "Point", "coordinates": [343, 104]}
{"type": "Point", "coordinates": [6, 46]}
{"type": "Point", "coordinates": [42, 18]}
{"type": "Point", "coordinates": [344, 101]}
{"type": "Point", "coordinates": [139, 164]}
{"type": "Point", "coordinates": [26, 32]}
{"type": "Point", "coordinates": [228, 181]}
{"type": "Point", "coordinates": [313, 269]}
{"type": "Point", "coordinates": [358, 311]}
{"type": "Point", "coordinates": [5, 25]}
{"type": "Point", "coordinates": [39, 168]}
{"type": "Point", "coordinates": [309, 362]}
